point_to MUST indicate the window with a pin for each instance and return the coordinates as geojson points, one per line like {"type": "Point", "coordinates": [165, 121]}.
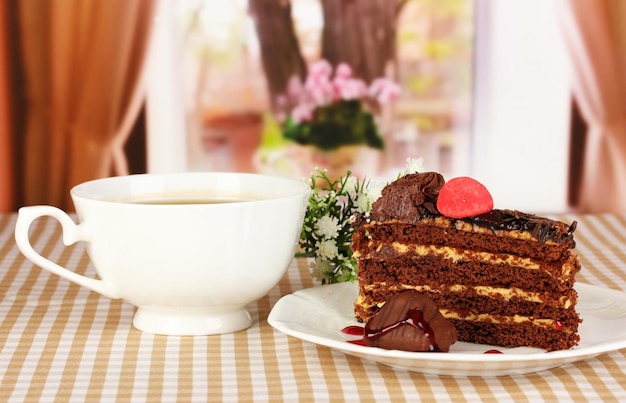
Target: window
{"type": "Point", "coordinates": [216, 112]}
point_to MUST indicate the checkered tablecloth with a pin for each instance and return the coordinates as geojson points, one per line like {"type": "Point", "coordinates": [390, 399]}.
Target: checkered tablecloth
{"type": "Point", "coordinates": [61, 342]}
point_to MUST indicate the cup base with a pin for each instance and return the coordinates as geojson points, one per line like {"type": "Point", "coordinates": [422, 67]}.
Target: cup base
{"type": "Point", "coordinates": [183, 323]}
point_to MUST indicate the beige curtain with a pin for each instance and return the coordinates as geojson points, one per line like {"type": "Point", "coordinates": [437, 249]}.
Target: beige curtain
{"type": "Point", "coordinates": [83, 62]}
{"type": "Point", "coordinates": [595, 33]}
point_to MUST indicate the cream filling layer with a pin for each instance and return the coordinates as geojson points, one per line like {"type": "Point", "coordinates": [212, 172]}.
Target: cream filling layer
{"type": "Point", "coordinates": [457, 255]}
{"type": "Point", "coordinates": [485, 291]}
{"type": "Point", "coordinates": [484, 317]}
{"type": "Point", "coordinates": [500, 320]}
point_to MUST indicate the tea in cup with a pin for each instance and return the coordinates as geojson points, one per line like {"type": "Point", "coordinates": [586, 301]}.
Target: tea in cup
{"type": "Point", "coordinates": [190, 250]}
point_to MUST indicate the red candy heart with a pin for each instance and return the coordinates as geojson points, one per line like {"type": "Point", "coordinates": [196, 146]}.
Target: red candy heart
{"type": "Point", "coordinates": [464, 197]}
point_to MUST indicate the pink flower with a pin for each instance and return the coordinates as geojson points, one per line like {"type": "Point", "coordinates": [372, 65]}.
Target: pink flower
{"type": "Point", "coordinates": [319, 89]}
{"type": "Point", "coordinates": [302, 113]}
{"type": "Point", "coordinates": [384, 90]}
{"type": "Point", "coordinates": [343, 70]}
{"type": "Point", "coordinates": [321, 68]}
{"type": "Point", "coordinates": [294, 87]}
{"type": "Point", "coordinates": [350, 88]}
{"type": "Point", "coordinates": [282, 104]}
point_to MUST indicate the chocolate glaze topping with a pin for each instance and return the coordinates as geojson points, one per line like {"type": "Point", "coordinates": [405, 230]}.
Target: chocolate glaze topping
{"type": "Point", "coordinates": [415, 196]}
{"type": "Point", "coordinates": [543, 229]}
{"type": "Point", "coordinates": [410, 321]}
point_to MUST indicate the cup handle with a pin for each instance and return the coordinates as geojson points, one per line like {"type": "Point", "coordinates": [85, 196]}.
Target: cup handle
{"type": "Point", "coordinates": [72, 233]}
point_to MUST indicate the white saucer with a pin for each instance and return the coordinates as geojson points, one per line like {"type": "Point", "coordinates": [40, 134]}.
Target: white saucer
{"type": "Point", "coordinates": [319, 314]}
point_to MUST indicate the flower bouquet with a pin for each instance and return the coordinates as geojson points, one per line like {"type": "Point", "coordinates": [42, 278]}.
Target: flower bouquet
{"type": "Point", "coordinates": [327, 231]}
{"type": "Point", "coordinates": [331, 109]}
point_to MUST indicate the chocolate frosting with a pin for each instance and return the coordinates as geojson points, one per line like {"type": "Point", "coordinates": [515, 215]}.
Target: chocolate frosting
{"type": "Point", "coordinates": [409, 197]}
{"type": "Point", "coordinates": [410, 321]}
{"type": "Point", "coordinates": [415, 196]}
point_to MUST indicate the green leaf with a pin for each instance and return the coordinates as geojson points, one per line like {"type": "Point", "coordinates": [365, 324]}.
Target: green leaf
{"type": "Point", "coordinates": [342, 122]}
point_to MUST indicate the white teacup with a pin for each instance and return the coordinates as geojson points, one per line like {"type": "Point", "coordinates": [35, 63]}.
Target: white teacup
{"type": "Point", "coordinates": [190, 250]}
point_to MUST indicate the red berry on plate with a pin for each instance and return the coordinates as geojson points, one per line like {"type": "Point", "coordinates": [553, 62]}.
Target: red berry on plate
{"type": "Point", "coordinates": [464, 197]}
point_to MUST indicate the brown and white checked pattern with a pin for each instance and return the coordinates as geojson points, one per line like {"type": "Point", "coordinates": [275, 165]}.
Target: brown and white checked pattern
{"type": "Point", "coordinates": [61, 342]}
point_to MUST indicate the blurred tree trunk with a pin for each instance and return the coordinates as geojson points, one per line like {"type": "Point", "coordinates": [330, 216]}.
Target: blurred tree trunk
{"type": "Point", "coordinates": [361, 33]}
{"type": "Point", "coordinates": [280, 50]}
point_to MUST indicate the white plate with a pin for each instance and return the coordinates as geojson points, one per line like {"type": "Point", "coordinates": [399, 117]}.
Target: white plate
{"type": "Point", "coordinates": [319, 314]}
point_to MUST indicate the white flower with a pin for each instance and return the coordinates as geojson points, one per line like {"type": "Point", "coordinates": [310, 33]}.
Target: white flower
{"type": "Point", "coordinates": [320, 268]}
{"type": "Point", "coordinates": [362, 203]}
{"type": "Point", "coordinates": [369, 196]}
{"type": "Point", "coordinates": [315, 196]}
{"type": "Point", "coordinates": [327, 249]}
{"type": "Point", "coordinates": [351, 185]}
{"type": "Point", "coordinates": [414, 165]}
{"type": "Point", "coordinates": [374, 191]}
{"type": "Point", "coordinates": [327, 226]}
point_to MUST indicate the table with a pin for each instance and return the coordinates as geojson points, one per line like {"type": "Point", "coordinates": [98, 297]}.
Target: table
{"type": "Point", "coordinates": [61, 342]}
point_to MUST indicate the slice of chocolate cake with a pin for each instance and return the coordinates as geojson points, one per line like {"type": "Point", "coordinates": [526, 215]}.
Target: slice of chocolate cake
{"type": "Point", "coordinates": [503, 278]}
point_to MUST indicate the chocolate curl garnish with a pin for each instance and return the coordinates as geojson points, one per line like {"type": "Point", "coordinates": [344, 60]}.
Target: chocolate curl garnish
{"type": "Point", "coordinates": [409, 197]}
